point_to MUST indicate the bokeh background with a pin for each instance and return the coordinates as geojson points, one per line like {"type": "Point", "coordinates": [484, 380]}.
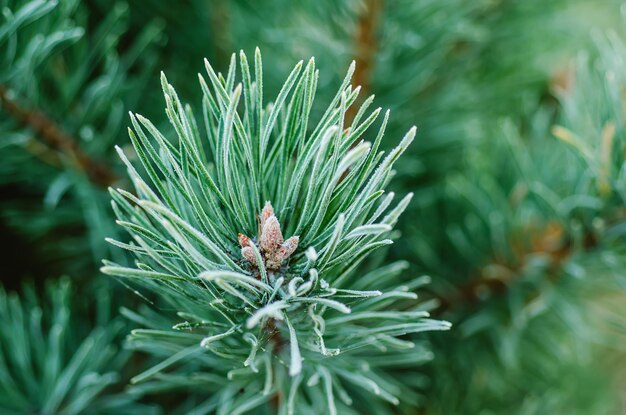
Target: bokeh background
{"type": "Point", "coordinates": [517, 169]}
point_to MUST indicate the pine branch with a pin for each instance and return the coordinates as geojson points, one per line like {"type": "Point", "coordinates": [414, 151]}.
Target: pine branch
{"type": "Point", "coordinates": [592, 114]}
{"type": "Point", "coordinates": [52, 362]}
{"type": "Point", "coordinates": [267, 297]}
{"type": "Point", "coordinates": [57, 140]}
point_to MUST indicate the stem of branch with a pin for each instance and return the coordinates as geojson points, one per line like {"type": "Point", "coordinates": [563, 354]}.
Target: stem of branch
{"type": "Point", "coordinates": [366, 45]}
{"type": "Point", "coordinates": [557, 253]}
{"type": "Point", "coordinates": [56, 139]}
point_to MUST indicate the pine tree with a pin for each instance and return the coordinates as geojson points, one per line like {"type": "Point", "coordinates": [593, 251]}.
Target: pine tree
{"type": "Point", "coordinates": [516, 218]}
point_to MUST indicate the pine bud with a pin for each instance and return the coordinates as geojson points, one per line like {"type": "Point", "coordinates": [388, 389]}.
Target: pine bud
{"type": "Point", "coordinates": [288, 247]}
{"type": "Point", "coordinates": [244, 241]}
{"type": "Point", "coordinates": [267, 211]}
{"type": "Point", "coordinates": [271, 236]}
{"type": "Point", "coordinates": [248, 253]}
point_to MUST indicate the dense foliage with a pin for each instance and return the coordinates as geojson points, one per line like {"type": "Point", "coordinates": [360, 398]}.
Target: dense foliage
{"type": "Point", "coordinates": [266, 264]}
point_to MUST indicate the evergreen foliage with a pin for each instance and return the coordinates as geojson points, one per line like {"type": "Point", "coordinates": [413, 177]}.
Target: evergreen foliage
{"type": "Point", "coordinates": [285, 322]}
{"type": "Point", "coordinates": [50, 364]}
{"type": "Point", "coordinates": [543, 242]}
{"type": "Point", "coordinates": [64, 90]}
{"type": "Point", "coordinates": [257, 272]}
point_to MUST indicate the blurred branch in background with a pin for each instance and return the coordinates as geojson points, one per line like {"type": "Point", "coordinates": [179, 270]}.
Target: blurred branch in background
{"type": "Point", "coordinates": [66, 82]}
{"type": "Point", "coordinates": [366, 44]}
{"type": "Point", "coordinates": [56, 139]}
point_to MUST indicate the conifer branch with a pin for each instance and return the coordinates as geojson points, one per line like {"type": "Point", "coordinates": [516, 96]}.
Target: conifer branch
{"type": "Point", "coordinates": [53, 363]}
{"type": "Point", "coordinates": [252, 229]}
